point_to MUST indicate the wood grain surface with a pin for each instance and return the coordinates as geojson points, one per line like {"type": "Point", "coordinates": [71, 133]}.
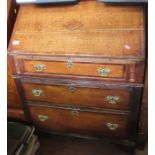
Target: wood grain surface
{"type": "Point", "coordinates": [14, 113]}
{"type": "Point", "coordinates": [92, 35]}
{"type": "Point", "coordinates": [81, 69]}
{"type": "Point", "coordinates": [86, 123]}
{"type": "Point", "coordinates": [86, 29]}
{"type": "Point", "coordinates": [80, 96]}
{"type": "Point", "coordinates": [13, 101]}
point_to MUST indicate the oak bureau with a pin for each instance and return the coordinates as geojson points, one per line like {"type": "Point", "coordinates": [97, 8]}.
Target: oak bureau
{"type": "Point", "coordinates": [79, 68]}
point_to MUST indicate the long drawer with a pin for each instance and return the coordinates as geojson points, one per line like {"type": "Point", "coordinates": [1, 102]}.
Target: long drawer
{"type": "Point", "coordinates": [103, 69]}
{"type": "Point", "coordinates": [81, 96]}
{"type": "Point", "coordinates": [80, 122]}
{"type": "Point", "coordinates": [92, 94]}
{"type": "Point", "coordinates": [71, 68]}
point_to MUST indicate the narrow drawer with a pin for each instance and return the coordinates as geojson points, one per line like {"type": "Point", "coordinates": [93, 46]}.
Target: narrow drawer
{"type": "Point", "coordinates": [80, 122]}
{"type": "Point", "coordinates": [115, 98]}
{"type": "Point", "coordinates": [90, 68]}
{"type": "Point", "coordinates": [74, 68]}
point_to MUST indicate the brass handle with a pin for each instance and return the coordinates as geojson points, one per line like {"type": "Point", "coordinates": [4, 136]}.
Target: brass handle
{"type": "Point", "coordinates": [112, 99]}
{"type": "Point", "coordinates": [69, 64]}
{"type": "Point", "coordinates": [103, 71]}
{"type": "Point", "coordinates": [42, 118]}
{"type": "Point", "coordinates": [112, 126]}
{"type": "Point", "coordinates": [72, 89]}
{"type": "Point", "coordinates": [37, 92]}
{"type": "Point", "coordinates": [74, 113]}
{"type": "Point", "coordinates": [39, 67]}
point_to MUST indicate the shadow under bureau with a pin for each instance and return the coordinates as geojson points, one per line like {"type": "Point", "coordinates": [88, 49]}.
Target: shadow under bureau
{"type": "Point", "coordinates": [79, 68]}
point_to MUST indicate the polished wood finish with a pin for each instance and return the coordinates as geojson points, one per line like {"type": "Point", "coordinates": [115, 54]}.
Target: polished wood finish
{"type": "Point", "coordinates": [86, 123]}
{"type": "Point", "coordinates": [58, 44]}
{"type": "Point", "coordinates": [143, 122]}
{"type": "Point", "coordinates": [80, 96]}
{"type": "Point", "coordinates": [13, 101]}
{"type": "Point", "coordinates": [132, 112]}
{"type": "Point", "coordinates": [16, 114]}
{"type": "Point", "coordinates": [128, 70]}
{"type": "Point", "coordinates": [75, 30]}
{"type": "Point", "coordinates": [12, 10]}
{"type": "Point", "coordinates": [84, 69]}
{"type": "Point", "coordinates": [12, 94]}
{"type": "Point", "coordinates": [56, 55]}
{"type": "Point", "coordinates": [90, 43]}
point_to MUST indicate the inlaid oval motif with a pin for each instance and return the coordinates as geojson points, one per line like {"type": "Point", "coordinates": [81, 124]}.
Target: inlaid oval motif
{"type": "Point", "coordinates": [73, 25]}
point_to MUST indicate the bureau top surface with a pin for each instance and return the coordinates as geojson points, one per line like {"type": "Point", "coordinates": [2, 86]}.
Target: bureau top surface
{"type": "Point", "coordinates": [86, 29]}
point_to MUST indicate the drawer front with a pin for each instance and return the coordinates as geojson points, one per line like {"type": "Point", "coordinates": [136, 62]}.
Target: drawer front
{"type": "Point", "coordinates": [78, 122]}
{"type": "Point", "coordinates": [73, 68]}
{"type": "Point", "coordinates": [80, 96]}
{"type": "Point", "coordinates": [89, 68]}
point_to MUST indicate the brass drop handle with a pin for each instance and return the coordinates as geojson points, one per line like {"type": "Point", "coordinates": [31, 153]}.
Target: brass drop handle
{"type": "Point", "coordinates": [75, 113]}
{"type": "Point", "coordinates": [37, 92]}
{"type": "Point", "coordinates": [39, 67]}
{"type": "Point", "coordinates": [72, 89]}
{"type": "Point", "coordinates": [42, 118]}
{"type": "Point", "coordinates": [112, 99]}
{"type": "Point", "coordinates": [112, 126]}
{"type": "Point", "coordinates": [103, 71]}
{"type": "Point", "coordinates": [69, 64]}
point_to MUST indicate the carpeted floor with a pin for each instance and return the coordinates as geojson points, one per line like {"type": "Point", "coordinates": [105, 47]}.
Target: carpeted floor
{"type": "Point", "coordinates": [62, 145]}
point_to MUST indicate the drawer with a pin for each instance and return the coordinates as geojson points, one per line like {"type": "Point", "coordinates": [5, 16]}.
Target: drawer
{"type": "Point", "coordinates": [71, 68]}
{"type": "Point", "coordinates": [89, 68]}
{"type": "Point", "coordinates": [113, 97]}
{"type": "Point", "coordinates": [80, 122]}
